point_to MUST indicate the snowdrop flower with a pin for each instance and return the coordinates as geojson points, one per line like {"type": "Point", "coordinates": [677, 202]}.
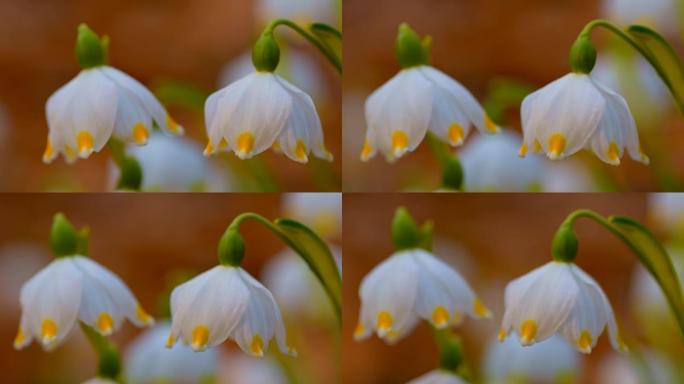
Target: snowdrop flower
{"type": "Point", "coordinates": [99, 103]}
{"type": "Point", "coordinates": [419, 99]}
{"type": "Point", "coordinates": [547, 361]}
{"type": "Point", "coordinates": [438, 376]}
{"type": "Point", "coordinates": [226, 302]}
{"type": "Point", "coordinates": [147, 361]}
{"type": "Point", "coordinates": [576, 112]}
{"type": "Point", "coordinates": [320, 211]}
{"type": "Point", "coordinates": [74, 288]}
{"type": "Point", "coordinates": [490, 164]}
{"type": "Point", "coordinates": [559, 297]}
{"type": "Point", "coordinates": [413, 284]}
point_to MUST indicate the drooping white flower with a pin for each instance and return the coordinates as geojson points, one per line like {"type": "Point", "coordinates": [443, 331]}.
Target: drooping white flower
{"type": "Point", "coordinates": [576, 112]}
{"type": "Point", "coordinates": [99, 103]}
{"type": "Point", "coordinates": [548, 361]}
{"type": "Point", "coordinates": [438, 376]}
{"type": "Point", "coordinates": [174, 165]}
{"type": "Point", "coordinates": [559, 297]}
{"type": "Point", "coordinates": [226, 302]}
{"type": "Point", "coordinates": [320, 211]}
{"type": "Point", "coordinates": [74, 288]}
{"type": "Point", "coordinates": [418, 99]}
{"type": "Point", "coordinates": [262, 110]}
{"type": "Point", "coordinates": [411, 285]}
{"type": "Point", "coordinates": [490, 164]}
{"type": "Point", "coordinates": [147, 361]}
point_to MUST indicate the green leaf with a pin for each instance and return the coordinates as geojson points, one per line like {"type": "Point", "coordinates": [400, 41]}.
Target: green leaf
{"type": "Point", "coordinates": [330, 37]}
{"type": "Point", "coordinates": [317, 256]}
{"type": "Point", "coordinates": [663, 59]}
{"type": "Point", "coordinates": [654, 257]}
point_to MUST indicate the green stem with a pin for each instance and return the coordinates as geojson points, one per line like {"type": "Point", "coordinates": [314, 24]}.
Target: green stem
{"type": "Point", "coordinates": [295, 246]}
{"type": "Point", "coordinates": [451, 357]}
{"type": "Point", "coordinates": [130, 170]}
{"type": "Point", "coordinates": [452, 171]}
{"type": "Point", "coordinates": [109, 359]}
{"type": "Point", "coordinates": [311, 38]}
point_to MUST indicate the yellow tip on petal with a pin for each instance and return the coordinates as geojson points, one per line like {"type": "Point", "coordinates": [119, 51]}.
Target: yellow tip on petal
{"type": "Point", "coordinates": [257, 346]}
{"type": "Point", "coordinates": [502, 335]}
{"type": "Point", "coordinates": [208, 149]}
{"type": "Point", "coordinates": [142, 316]}
{"type": "Point", "coordinates": [613, 153]}
{"type": "Point", "coordinates": [399, 142]}
{"type": "Point", "coordinates": [537, 146]}
{"type": "Point", "coordinates": [359, 331]}
{"type": "Point", "coordinates": [49, 153]}
{"type": "Point", "coordinates": [479, 308]}
{"type": "Point", "coordinates": [20, 339]}
{"type": "Point", "coordinates": [385, 321]}
{"type": "Point", "coordinates": [300, 151]}
{"type": "Point", "coordinates": [584, 341]}
{"type": "Point", "coordinates": [48, 330]}
{"type": "Point", "coordinates": [440, 316]}
{"type": "Point", "coordinates": [105, 324]}
{"type": "Point", "coordinates": [621, 343]}
{"type": "Point", "coordinates": [366, 151]}
{"type": "Point", "coordinates": [245, 143]}
{"type": "Point", "coordinates": [200, 336]}
{"type": "Point", "coordinates": [170, 341]}
{"type": "Point", "coordinates": [456, 134]}
{"type": "Point", "coordinates": [523, 150]}
{"type": "Point", "coordinates": [528, 331]}
{"type": "Point", "coordinates": [140, 133]}
{"type": "Point", "coordinates": [84, 143]}
{"type": "Point", "coordinates": [489, 124]}
{"type": "Point", "coordinates": [556, 145]}
{"type": "Point", "coordinates": [173, 126]}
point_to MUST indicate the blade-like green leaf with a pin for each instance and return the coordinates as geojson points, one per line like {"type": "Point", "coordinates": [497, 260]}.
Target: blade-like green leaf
{"type": "Point", "coordinates": [654, 257]}
{"type": "Point", "coordinates": [317, 255]}
{"type": "Point", "coordinates": [330, 37]}
{"type": "Point", "coordinates": [663, 58]}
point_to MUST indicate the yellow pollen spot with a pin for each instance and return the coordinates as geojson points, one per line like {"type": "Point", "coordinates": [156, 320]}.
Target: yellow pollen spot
{"type": "Point", "coordinates": [455, 134]}
{"type": "Point", "coordinates": [489, 124]}
{"type": "Point", "coordinates": [502, 335]}
{"type": "Point", "coordinates": [257, 346]}
{"type": "Point", "coordinates": [300, 150]}
{"type": "Point", "coordinates": [105, 323]}
{"type": "Point", "coordinates": [479, 308]}
{"type": "Point", "coordinates": [170, 341]}
{"type": "Point", "coordinates": [366, 151]}
{"type": "Point", "coordinates": [245, 142]}
{"type": "Point", "coordinates": [584, 341]}
{"type": "Point", "coordinates": [440, 316]}
{"type": "Point", "coordinates": [140, 133]}
{"type": "Point", "coordinates": [384, 322]}
{"type": "Point", "coordinates": [84, 142]}
{"type": "Point", "coordinates": [200, 336]}
{"type": "Point", "coordinates": [528, 331]}
{"type": "Point", "coordinates": [523, 150]}
{"type": "Point", "coordinates": [613, 152]}
{"type": "Point", "coordinates": [556, 144]}
{"type": "Point", "coordinates": [537, 146]}
{"type": "Point", "coordinates": [49, 151]}
{"type": "Point", "coordinates": [142, 315]}
{"type": "Point", "coordinates": [172, 125]}
{"type": "Point", "coordinates": [48, 330]}
{"type": "Point", "coordinates": [399, 141]}
{"type": "Point", "coordinates": [359, 330]}
{"type": "Point", "coordinates": [20, 338]}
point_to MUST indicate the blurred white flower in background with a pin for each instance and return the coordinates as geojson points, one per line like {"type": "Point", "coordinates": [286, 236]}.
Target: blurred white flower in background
{"type": "Point", "coordinates": [299, 11]}
{"type": "Point", "coordinates": [620, 369]}
{"type": "Point", "coordinates": [175, 165]}
{"type": "Point", "coordinates": [238, 368]}
{"type": "Point", "coordinates": [548, 361]}
{"type": "Point", "coordinates": [660, 15]}
{"type": "Point", "coordinates": [148, 361]}
{"type": "Point", "coordinates": [438, 376]}
{"type": "Point", "coordinates": [322, 212]}
{"type": "Point", "coordinates": [570, 175]}
{"type": "Point", "coordinates": [667, 211]}
{"type": "Point", "coordinates": [647, 298]}
{"type": "Point", "coordinates": [100, 380]}
{"type": "Point", "coordinates": [490, 163]}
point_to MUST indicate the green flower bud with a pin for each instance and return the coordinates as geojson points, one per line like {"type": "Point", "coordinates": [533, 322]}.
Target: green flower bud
{"type": "Point", "coordinates": [452, 174]}
{"type": "Point", "coordinates": [63, 238]}
{"type": "Point", "coordinates": [410, 49]}
{"type": "Point", "coordinates": [405, 232]}
{"type": "Point", "coordinates": [582, 55]}
{"type": "Point", "coordinates": [231, 248]}
{"type": "Point", "coordinates": [131, 174]}
{"type": "Point", "coordinates": [564, 246]}
{"type": "Point", "coordinates": [90, 50]}
{"type": "Point", "coordinates": [266, 53]}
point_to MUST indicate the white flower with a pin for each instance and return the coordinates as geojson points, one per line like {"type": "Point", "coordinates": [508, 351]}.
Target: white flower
{"type": "Point", "coordinates": [559, 297]}
{"type": "Point", "coordinates": [262, 110]}
{"type": "Point", "coordinates": [416, 100]}
{"type": "Point", "coordinates": [147, 361]}
{"type": "Point", "coordinates": [71, 288]}
{"type": "Point", "coordinates": [658, 14]}
{"type": "Point", "coordinates": [100, 380]}
{"type": "Point", "coordinates": [667, 210]}
{"type": "Point", "coordinates": [300, 11]}
{"type": "Point", "coordinates": [174, 165]}
{"type": "Point", "coordinates": [244, 369]}
{"type": "Point", "coordinates": [226, 302]}
{"type": "Point", "coordinates": [97, 104]}
{"type": "Point", "coordinates": [320, 211]}
{"type": "Point", "coordinates": [409, 285]}
{"type": "Point", "coordinates": [438, 376]}
{"type": "Point", "coordinates": [490, 164]}
{"type": "Point", "coordinates": [576, 112]}
{"type": "Point", "coordinates": [571, 175]}
{"type": "Point", "coordinates": [543, 362]}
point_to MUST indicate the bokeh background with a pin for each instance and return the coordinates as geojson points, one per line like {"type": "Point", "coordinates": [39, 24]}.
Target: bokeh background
{"type": "Point", "coordinates": [502, 47]}
{"type": "Point", "coordinates": [493, 238]}
{"type": "Point", "coordinates": [150, 241]}
{"type": "Point", "coordinates": [182, 51]}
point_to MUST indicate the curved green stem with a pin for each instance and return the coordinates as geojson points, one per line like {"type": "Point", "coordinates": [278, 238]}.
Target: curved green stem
{"type": "Point", "coordinates": [109, 359]}
{"type": "Point", "coordinates": [311, 38]}
{"type": "Point", "coordinates": [586, 31]}
{"type": "Point", "coordinates": [303, 240]}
